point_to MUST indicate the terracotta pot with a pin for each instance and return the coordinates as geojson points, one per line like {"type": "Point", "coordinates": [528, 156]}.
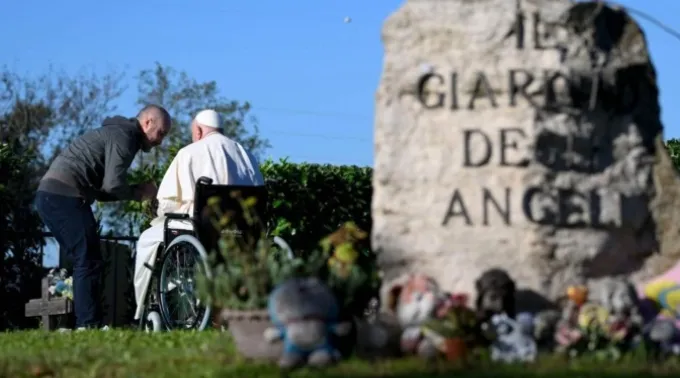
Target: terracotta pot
{"type": "Point", "coordinates": [247, 329]}
{"type": "Point", "coordinates": [456, 349]}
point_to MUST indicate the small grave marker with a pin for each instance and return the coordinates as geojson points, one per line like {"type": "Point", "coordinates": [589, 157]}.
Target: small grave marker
{"type": "Point", "coordinates": [48, 307]}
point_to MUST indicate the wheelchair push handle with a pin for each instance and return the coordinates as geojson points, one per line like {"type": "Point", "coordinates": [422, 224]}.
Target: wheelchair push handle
{"type": "Point", "coordinates": [204, 180]}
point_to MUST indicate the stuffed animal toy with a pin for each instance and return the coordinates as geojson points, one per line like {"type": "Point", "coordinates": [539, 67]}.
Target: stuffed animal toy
{"type": "Point", "coordinates": [414, 299]}
{"type": "Point", "coordinates": [620, 297]}
{"type": "Point", "coordinates": [661, 338]}
{"type": "Point", "coordinates": [665, 295]}
{"type": "Point", "coordinates": [495, 294]}
{"type": "Point", "coordinates": [304, 313]}
{"type": "Point", "coordinates": [525, 321]}
{"type": "Point", "coordinates": [514, 342]}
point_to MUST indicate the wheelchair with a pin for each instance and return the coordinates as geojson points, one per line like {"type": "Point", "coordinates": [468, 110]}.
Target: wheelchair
{"type": "Point", "coordinates": [171, 302]}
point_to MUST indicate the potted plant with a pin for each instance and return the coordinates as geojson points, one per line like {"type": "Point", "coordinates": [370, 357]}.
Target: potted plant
{"type": "Point", "coordinates": [454, 330]}
{"type": "Point", "coordinates": [349, 267]}
{"type": "Point", "coordinates": [244, 274]}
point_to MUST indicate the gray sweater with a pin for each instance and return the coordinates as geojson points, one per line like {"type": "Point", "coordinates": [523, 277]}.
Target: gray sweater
{"type": "Point", "coordinates": [94, 166]}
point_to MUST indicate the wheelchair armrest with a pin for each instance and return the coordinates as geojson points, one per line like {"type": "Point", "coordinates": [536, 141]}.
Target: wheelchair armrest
{"type": "Point", "coordinates": [177, 216]}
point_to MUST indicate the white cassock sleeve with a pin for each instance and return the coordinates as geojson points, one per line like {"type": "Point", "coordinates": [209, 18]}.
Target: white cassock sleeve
{"type": "Point", "coordinates": [176, 192]}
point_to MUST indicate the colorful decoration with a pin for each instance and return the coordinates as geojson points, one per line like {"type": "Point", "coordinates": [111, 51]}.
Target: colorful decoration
{"type": "Point", "coordinates": [305, 313]}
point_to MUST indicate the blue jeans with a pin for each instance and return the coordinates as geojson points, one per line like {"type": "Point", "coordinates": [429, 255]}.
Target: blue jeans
{"type": "Point", "coordinates": [74, 227]}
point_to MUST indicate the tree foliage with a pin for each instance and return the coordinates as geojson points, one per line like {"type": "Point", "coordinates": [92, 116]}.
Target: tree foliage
{"type": "Point", "coordinates": [50, 109]}
{"type": "Point", "coordinates": [20, 238]}
{"type": "Point", "coordinates": [183, 96]}
{"type": "Point", "coordinates": [41, 114]}
{"type": "Point", "coordinates": [306, 201]}
{"type": "Point", "coordinates": [38, 116]}
{"type": "Point", "coordinates": [673, 148]}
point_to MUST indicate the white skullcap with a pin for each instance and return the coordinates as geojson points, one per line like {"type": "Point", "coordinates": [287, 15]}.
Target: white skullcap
{"type": "Point", "coordinates": [208, 118]}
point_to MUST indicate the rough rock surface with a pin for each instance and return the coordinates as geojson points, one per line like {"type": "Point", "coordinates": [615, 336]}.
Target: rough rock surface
{"type": "Point", "coordinates": [560, 179]}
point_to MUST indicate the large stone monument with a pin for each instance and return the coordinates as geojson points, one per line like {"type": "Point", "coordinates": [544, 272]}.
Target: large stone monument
{"type": "Point", "coordinates": [524, 135]}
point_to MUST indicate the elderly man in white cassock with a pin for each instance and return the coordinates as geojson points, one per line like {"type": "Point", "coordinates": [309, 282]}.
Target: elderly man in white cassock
{"type": "Point", "coordinates": [212, 155]}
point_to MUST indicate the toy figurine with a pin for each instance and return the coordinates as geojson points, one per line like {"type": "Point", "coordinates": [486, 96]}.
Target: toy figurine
{"type": "Point", "coordinates": [415, 300]}
{"type": "Point", "coordinates": [514, 341]}
{"type": "Point", "coordinates": [495, 294]}
{"type": "Point", "coordinates": [304, 313]}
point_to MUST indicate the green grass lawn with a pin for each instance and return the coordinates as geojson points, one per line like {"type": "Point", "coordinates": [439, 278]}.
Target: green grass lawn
{"type": "Point", "coordinates": [210, 354]}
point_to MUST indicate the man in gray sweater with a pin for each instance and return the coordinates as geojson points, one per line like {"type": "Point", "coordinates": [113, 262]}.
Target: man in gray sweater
{"type": "Point", "coordinates": [94, 167]}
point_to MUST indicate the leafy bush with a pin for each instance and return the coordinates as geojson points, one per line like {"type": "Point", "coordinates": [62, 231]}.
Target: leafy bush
{"type": "Point", "coordinates": [306, 201]}
{"type": "Point", "coordinates": [309, 201]}
{"type": "Point", "coordinates": [247, 268]}
{"type": "Point", "coordinates": [20, 236]}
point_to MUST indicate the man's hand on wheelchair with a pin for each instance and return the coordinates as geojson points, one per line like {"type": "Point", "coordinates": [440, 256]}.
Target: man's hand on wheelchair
{"type": "Point", "coordinates": [146, 191]}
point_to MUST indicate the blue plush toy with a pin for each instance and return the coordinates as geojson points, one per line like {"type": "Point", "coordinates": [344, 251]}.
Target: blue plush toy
{"type": "Point", "coordinates": [304, 313]}
{"type": "Point", "coordinates": [513, 343]}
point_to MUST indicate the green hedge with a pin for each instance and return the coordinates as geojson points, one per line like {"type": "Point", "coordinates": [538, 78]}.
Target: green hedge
{"type": "Point", "coordinates": [306, 201]}
{"type": "Point", "coordinates": [309, 201]}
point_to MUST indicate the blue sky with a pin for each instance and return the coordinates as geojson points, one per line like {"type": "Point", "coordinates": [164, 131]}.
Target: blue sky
{"type": "Point", "coordinates": [310, 76]}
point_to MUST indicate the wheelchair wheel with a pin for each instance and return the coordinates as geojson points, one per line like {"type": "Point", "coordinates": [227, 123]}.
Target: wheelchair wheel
{"type": "Point", "coordinates": [179, 306]}
{"type": "Point", "coordinates": [153, 322]}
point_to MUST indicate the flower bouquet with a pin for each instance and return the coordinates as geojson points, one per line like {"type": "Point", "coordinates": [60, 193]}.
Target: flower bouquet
{"type": "Point", "coordinates": [60, 284]}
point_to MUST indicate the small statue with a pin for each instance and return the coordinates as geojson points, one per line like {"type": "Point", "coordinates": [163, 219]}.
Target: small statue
{"type": "Point", "coordinates": [304, 313]}
{"type": "Point", "coordinates": [514, 341]}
